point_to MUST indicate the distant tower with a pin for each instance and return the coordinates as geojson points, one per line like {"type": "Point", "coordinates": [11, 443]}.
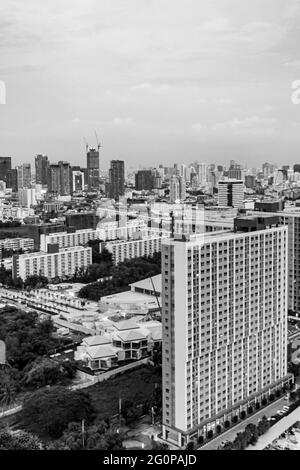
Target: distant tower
{"type": "Point", "coordinates": [93, 167]}
{"type": "Point", "coordinates": [116, 179]}
{"type": "Point", "coordinates": [41, 169]}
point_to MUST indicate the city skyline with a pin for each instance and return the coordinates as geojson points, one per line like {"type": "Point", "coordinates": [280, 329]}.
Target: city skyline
{"type": "Point", "coordinates": [210, 81]}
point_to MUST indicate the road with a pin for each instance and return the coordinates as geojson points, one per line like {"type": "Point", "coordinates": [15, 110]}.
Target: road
{"type": "Point", "coordinates": [230, 435]}
{"type": "Point", "coordinates": [276, 430]}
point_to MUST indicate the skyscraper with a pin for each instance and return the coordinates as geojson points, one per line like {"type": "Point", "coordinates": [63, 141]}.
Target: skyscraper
{"type": "Point", "coordinates": [231, 193]}
{"type": "Point", "coordinates": [116, 179]}
{"type": "Point", "coordinates": [177, 189]}
{"type": "Point", "coordinates": [224, 314]}
{"type": "Point", "coordinates": [12, 179]}
{"type": "Point", "coordinates": [5, 165]}
{"type": "Point", "coordinates": [59, 178]}
{"type": "Point", "coordinates": [24, 176]}
{"type": "Point", "coordinates": [41, 169]}
{"type": "Point", "coordinates": [93, 167]}
{"type": "Point", "coordinates": [144, 180]}
{"type": "Point", "coordinates": [65, 178]}
{"type": "Point", "coordinates": [54, 178]}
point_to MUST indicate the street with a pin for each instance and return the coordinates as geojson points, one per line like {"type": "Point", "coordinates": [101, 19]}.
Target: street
{"type": "Point", "coordinates": [231, 433]}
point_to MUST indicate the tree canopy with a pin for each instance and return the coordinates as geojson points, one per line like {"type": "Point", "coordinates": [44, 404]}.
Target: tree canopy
{"type": "Point", "coordinates": [50, 410]}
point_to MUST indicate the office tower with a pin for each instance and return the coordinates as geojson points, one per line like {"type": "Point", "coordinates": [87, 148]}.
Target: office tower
{"type": "Point", "coordinates": [201, 170]}
{"type": "Point", "coordinates": [93, 167]}
{"type": "Point", "coordinates": [177, 189]}
{"type": "Point", "coordinates": [296, 168]}
{"type": "Point", "coordinates": [194, 180]}
{"type": "Point", "coordinates": [5, 166]}
{"type": "Point", "coordinates": [12, 179]}
{"type": "Point", "coordinates": [116, 179]}
{"type": "Point", "coordinates": [65, 177]}
{"type": "Point", "coordinates": [77, 179]}
{"type": "Point", "coordinates": [235, 171]}
{"type": "Point", "coordinates": [144, 180]}
{"type": "Point", "coordinates": [249, 181]}
{"type": "Point", "coordinates": [224, 315]}
{"type": "Point", "coordinates": [268, 169]}
{"type": "Point", "coordinates": [24, 176]}
{"type": "Point", "coordinates": [59, 179]}
{"type": "Point", "coordinates": [231, 193]}
{"type": "Point", "coordinates": [27, 197]}
{"type": "Point", "coordinates": [183, 171]}
{"type": "Point", "coordinates": [41, 169]}
{"type": "Point", "coordinates": [54, 178]}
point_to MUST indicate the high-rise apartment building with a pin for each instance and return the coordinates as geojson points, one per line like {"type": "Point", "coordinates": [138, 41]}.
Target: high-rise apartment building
{"type": "Point", "coordinates": [59, 179]}
{"type": "Point", "coordinates": [5, 166]}
{"type": "Point", "coordinates": [144, 180]}
{"type": "Point", "coordinates": [177, 189]}
{"type": "Point", "coordinates": [231, 193]}
{"type": "Point", "coordinates": [93, 167]}
{"type": "Point", "coordinates": [41, 169]}
{"type": "Point", "coordinates": [24, 176]}
{"type": "Point", "coordinates": [12, 179]}
{"type": "Point", "coordinates": [116, 179]}
{"type": "Point", "coordinates": [65, 178]}
{"type": "Point", "coordinates": [224, 315]}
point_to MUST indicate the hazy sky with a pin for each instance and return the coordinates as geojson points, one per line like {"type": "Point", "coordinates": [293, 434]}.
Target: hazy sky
{"type": "Point", "coordinates": [161, 81]}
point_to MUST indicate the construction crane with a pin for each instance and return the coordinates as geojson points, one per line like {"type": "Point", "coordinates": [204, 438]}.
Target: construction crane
{"type": "Point", "coordinates": [86, 144]}
{"type": "Point", "coordinates": [97, 140]}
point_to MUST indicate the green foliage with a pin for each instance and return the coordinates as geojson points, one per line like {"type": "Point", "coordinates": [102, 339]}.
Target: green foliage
{"type": "Point", "coordinates": [43, 371]}
{"type": "Point", "coordinates": [19, 440]}
{"type": "Point", "coordinates": [95, 437]}
{"type": "Point", "coordinates": [35, 282]}
{"type": "Point", "coordinates": [122, 275]}
{"type": "Point", "coordinates": [49, 411]}
{"type": "Point", "coordinates": [248, 436]}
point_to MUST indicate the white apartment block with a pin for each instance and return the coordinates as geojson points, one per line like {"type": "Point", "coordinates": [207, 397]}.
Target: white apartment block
{"type": "Point", "coordinates": [112, 230]}
{"type": "Point", "coordinates": [224, 314]}
{"type": "Point", "coordinates": [291, 218]}
{"type": "Point", "coordinates": [17, 244]}
{"type": "Point", "coordinates": [122, 249]}
{"type": "Point", "coordinates": [68, 239]}
{"type": "Point", "coordinates": [59, 264]}
{"type": "Point", "coordinates": [231, 193]}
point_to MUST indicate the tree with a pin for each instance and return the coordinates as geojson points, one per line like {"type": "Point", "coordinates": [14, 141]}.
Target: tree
{"type": "Point", "coordinates": [190, 446]}
{"type": "Point", "coordinates": [18, 441]}
{"type": "Point", "coordinates": [8, 387]}
{"type": "Point", "coordinates": [96, 437]}
{"type": "Point", "coordinates": [263, 426]}
{"type": "Point", "coordinates": [252, 433]}
{"type": "Point", "coordinates": [50, 410]}
{"type": "Point", "coordinates": [43, 371]}
{"type": "Point", "coordinates": [35, 282]}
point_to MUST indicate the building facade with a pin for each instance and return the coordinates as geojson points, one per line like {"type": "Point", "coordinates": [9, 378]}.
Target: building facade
{"type": "Point", "coordinates": [122, 249]}
{"type": "Point", "coordinates": [61, 263]}
{"type": "Point", "coordinates": [224, 317]}
{"type": "Point", "coordinates": [116, 179]}
{"type": "Point", "coordinates": [231, 193]}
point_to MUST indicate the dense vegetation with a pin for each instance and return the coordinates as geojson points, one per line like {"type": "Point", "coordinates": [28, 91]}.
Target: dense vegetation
{"type": "Point", "coordinates": [138, 389]}
{"type": "Point", "coordinates": [28, 343]}
{"type": "Point", "coordinates": [122, 275]}
{"type": "Point", "coordinates": [50, 410]}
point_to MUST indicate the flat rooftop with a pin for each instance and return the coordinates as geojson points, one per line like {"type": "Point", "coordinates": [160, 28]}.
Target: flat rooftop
{"type": "Point", "coordinates": [61, 250]}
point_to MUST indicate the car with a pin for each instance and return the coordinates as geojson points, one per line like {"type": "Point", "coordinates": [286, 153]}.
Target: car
{"type": "Point", "coordinates": [286, 397]}
{"type": "Point", "coordinates": [286, 408]}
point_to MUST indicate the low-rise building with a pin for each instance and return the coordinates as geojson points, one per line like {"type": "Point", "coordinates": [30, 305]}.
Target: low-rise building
{"type": "Point", "coordinates": [60, 263]}
{"type": "Point", "coordinates": [129, 249]}
{"type": "Point", "coordinates": [17, 244]}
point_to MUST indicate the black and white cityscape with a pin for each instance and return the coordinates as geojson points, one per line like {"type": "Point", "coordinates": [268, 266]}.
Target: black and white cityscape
{"type": "Point", "coordinates": [149, 227]}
